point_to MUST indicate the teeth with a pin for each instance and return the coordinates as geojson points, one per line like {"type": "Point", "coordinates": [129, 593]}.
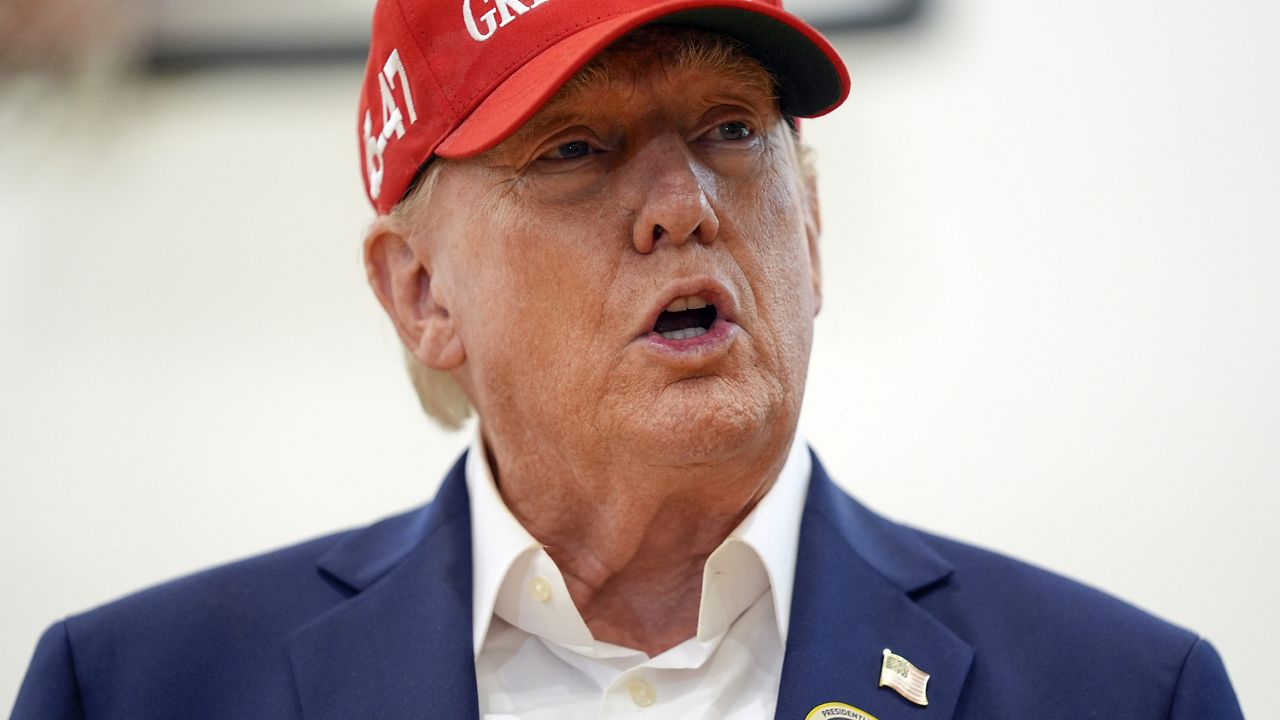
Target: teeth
{"type": "Point", "coordinates": [689, 302]}
{"type": "Point", "coordinates": [684, 334]}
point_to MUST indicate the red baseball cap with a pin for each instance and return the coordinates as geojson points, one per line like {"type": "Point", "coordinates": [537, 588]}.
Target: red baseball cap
{"type": "Point", "coordinates": [453, 78]}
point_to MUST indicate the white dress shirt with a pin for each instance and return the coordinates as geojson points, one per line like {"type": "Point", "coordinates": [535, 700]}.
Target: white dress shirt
{"type": "Point", "coordinates": [537, 660]}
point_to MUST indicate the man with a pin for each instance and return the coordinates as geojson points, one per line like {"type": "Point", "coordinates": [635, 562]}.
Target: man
{"type": "Point", "coordinates": [596, 223]}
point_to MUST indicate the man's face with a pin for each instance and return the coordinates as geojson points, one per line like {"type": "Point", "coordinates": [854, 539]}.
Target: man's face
{"type": "Point", "coordinates": [567, 255]}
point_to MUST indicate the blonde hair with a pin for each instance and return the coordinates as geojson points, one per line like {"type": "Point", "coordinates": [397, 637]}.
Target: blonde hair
{"type": "Point", "coordinates": [442, 398]}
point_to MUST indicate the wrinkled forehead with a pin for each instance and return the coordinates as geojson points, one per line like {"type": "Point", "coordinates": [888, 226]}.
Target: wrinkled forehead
{"type": "Point", "coordinates": [663, 52]}
{"type": "Point", "coordinates": [674, 48]}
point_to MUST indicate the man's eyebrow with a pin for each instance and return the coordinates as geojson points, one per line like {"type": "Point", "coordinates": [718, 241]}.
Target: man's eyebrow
{"type": "Point", "coordinates": [567, 108]}
{"type": "Point", "coordinates": [564, 108]}
{"type": "Point", "coordinates": [556, 116]}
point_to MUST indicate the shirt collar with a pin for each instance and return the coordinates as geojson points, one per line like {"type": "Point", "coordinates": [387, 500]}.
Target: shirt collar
{"type": "Point", "coordinates": [497, 540]}
{"type": "Point", "coordinates": [759, 555]}
{"type": "Point", "coordinates": [772, 529]}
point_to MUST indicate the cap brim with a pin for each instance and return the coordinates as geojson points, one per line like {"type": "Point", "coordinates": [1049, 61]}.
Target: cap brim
{"type": "Point", "coordinates": [812, 79]}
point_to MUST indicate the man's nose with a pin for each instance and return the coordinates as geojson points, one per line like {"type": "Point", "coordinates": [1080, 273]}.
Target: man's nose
{"type": "Point", "coordinates": [675, 205]}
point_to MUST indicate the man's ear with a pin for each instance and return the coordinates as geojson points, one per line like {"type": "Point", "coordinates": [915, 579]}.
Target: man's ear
{"type": "Point", "coordinates": [400, 276]}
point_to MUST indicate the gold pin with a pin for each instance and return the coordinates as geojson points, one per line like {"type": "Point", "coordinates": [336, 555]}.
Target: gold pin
{"type": "Point", "coordinates": [837, 711]}
{"type": "Point", "coordinates": [907, 679]}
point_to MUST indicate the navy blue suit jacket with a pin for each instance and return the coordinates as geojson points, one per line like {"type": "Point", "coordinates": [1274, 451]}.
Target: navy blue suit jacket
{"type": "Point", "coordinates": [376, 624]}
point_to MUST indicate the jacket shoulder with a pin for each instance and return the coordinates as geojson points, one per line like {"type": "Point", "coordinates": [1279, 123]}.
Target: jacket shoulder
{"type": "Point", "coordinates": [1023, 591]}
{"type": "Point", "coordinates": [189, 646]}
{"type": "Point", "coordinates": [268, 592]}
{"type": "Point", "coordinates": [251, 589]}
{"type": "Point", "coordinates": [1042, 639]}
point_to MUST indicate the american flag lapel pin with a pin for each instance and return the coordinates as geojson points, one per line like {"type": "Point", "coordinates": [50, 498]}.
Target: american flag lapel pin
{"type": "Point", "coordinates": [907, 679]}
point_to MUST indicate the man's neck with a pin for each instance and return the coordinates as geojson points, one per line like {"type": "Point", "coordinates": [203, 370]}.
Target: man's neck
{"type": "Point", "coordinates": [631, 538]}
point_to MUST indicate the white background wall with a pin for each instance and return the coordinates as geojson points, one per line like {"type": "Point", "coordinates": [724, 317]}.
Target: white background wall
{"type": "Point", "coordinates": [1052, 237]}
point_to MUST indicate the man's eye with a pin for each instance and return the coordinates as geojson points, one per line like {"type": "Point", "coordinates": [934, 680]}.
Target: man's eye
{"type": "Point", "coordinates": [733, 131]}
{"type": "Point", "coordinates": [569, 151]}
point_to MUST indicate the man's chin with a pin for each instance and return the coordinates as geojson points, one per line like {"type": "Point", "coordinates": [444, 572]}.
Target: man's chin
{"type": "Point", "coordinates": [704, 420]}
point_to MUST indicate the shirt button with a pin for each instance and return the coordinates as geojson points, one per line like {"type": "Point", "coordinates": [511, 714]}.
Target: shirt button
{"type": "Point", "coordinates": [642, 693]}
{"type": "Point", "coordinates": [540, 589]}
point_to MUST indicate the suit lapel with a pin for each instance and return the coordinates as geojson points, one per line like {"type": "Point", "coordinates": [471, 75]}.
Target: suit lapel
{"type": "Point", "coordinates": [855, 576]}
{"type": "Point", "coordinates": [400, 648]}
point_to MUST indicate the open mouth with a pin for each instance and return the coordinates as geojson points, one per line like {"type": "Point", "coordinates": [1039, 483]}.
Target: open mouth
{"type": "Point", "coordinates": [685, 318]}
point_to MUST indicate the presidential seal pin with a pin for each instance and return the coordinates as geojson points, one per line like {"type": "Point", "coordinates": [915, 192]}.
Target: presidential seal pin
{"type": "Point", "coordinates": [838, 710]}
{"type": "Point", "coordinates": [907, 679]}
